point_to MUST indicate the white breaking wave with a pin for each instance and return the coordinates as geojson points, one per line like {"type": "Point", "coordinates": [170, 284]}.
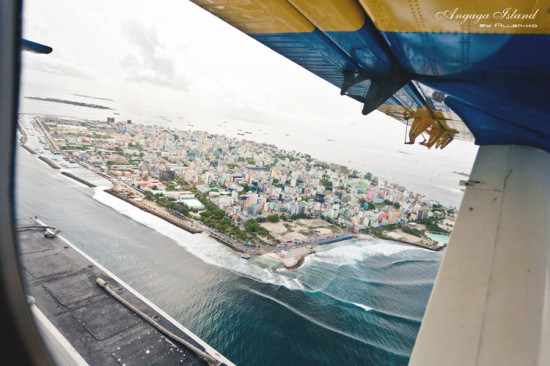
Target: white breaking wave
{"type": "Point", "coordinates": [201, 246]}
{"type": "Point", "coordinates": [368, 308]}
{"type": "Point", "coordinates": [326, 326]}
{"type": "Point", "coordinates": [357, 251]}
{"type": "Point", "coordinates": [364, 307]}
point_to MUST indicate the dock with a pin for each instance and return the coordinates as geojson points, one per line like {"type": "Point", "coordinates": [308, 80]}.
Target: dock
{"type": "Point", "coordinates": [88, 316]}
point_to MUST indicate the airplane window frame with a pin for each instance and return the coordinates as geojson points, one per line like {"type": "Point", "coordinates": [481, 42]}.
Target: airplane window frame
{"type": "Point", "coordinates": [20, 341]}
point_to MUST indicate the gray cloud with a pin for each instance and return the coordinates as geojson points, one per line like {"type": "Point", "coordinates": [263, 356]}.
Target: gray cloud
{"type": "Point", "coordinates": [149, 63]}
{"type": "Point", "coordinates": [59, 62]}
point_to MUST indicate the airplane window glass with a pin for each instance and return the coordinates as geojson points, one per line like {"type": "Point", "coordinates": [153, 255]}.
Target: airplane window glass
{"type": "Point", "coordinates": [186, 194]}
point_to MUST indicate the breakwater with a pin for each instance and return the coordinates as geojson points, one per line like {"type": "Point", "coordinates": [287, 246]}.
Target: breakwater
{"type": "Point", "coordinates": [23, 139]}
{"type": "Point", "coordinates": [164, 216]}
{"type": "Point", "coordinates": [80, 180]}
{"type": "Point", "coordinates": [226, 243]}
{"type": "Point", "coordinates": [334, 240]}
{"type": "Point", "coordinates": [49, 162]}
{"type": "Point", "coordinates": [297, 265]}
{"type": "Point", "coordinates": [28, 149]}
{"type": "Point", "coordinates": [434, 247]}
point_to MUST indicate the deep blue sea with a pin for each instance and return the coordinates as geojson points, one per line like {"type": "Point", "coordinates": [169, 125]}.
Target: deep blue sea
{"type": "Point", "coordinates": [357, 302]}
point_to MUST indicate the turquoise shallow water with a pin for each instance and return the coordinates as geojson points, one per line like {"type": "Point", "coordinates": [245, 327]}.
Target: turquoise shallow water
{"type": "Point", "coordinates": [440, 238]}
{"type": "Point", "coordinates": [357, 302]}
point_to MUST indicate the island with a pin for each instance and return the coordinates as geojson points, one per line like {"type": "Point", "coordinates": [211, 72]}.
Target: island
{"type": "Point", "coordinates": [252, 197]}
{"type": "Point", "coordinates": [80, 104]}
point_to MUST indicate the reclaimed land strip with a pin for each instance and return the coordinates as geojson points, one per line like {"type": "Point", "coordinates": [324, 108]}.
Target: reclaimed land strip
{"type": "Point", "coordinates": [78, 179]}
{"type": "Point", "coordinates": [23, 132]}
{"type": "Point", "coordinates": [49, 162]}
{"type": "Point", "coordinates": [28, 149]}
{"type": "Point", "coordinates": [297, 265]}
{"type": "Point", "coordinates": [434, 247]}
{"type": "Point", "coordinates": [300, 259]}
{"type": "Point", "coordinates": [345, 237]}
{"type": "Point", "coordinates": [153, 212]}
{"type": "Point", "coordinates": [24, 136]}
{"type": "Point", "coordinates": [80, 104]}
{"type": "Point", "coordinates": [87, 96]}
{"type": "Point", "coordinates": [226, 243]}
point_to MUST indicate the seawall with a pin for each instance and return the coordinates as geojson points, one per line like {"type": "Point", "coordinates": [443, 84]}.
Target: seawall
{"type": "Point", "coordinates": [435, 248]}
{"type": "Point", "coordinates": [29, 149]}
{"type": "Point", "coordinates": [152, 212]}
{"type": "Point", "coordinates": [49, 162]}
{"type": "Point", "coordinates": [329, 241]}
{"type": "Point", "coordinates": [78, 179]}
{"type": "Point", "coordinates": [226, 243]}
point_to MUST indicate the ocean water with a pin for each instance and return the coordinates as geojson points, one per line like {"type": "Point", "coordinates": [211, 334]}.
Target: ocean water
{"type": "Point", "coordinates": [357, 302]}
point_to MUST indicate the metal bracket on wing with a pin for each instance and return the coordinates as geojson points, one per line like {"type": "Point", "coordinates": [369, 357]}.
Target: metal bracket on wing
{"type": "Point", "coordinates": [382, 87]}
{"type": "Point", "coordinates": [432, 123]}
{"type": "Point", "coordinates": [439, 136]}
{"type": "Point", "coordinates": [351, 78]}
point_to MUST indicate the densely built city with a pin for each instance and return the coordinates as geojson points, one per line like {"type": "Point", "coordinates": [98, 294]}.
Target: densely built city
{"type": "Point", "coordinates": [243, 190]}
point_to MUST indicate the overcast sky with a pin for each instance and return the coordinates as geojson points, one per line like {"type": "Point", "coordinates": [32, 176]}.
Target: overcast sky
{"type": "Point", "coordinates": [172, 55]}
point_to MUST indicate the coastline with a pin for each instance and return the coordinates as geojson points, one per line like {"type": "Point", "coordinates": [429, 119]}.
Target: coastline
{"type": "Point", "coordinates": [433, 248]}
{"type": "Point", "coordinates": [160, 214]}
{"type": "Point", "coordinates": [295, 257]}
{"type": "Point", "coordinates": [290, 259]}
{"type": "Point", "coordinates": [49, 162]}
{"type": "Point", "coordinates": [401, 237]}
{"type": "Point", "coordinates": [80, 180]}
{"type": "Point", "coordinates": [226, 243]}
{"type": "Point", "coordinates": [29, 149]}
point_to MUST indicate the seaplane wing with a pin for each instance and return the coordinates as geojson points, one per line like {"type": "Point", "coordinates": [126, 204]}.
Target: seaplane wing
{"type": "Point", "coordinates": [445, 70]}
